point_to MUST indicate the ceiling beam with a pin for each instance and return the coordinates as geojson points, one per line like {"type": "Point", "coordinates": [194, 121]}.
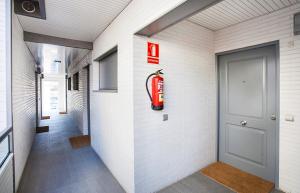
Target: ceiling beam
{"type": "Point", "coordinates": [45, 39]}
{"type": "Point", "coordinates": [183, 11]}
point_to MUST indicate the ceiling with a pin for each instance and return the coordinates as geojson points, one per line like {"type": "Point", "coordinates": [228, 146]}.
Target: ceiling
{"type": "Point", "coordinates": [75, 19]}
{"type": "Point", "coordinates": [230, 12]}
{"type": "Point", "coordinates": [54, 59]}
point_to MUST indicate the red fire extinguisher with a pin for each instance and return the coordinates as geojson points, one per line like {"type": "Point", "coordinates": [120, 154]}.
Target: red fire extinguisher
{"type": "Point", "coordinates": [157, 98]}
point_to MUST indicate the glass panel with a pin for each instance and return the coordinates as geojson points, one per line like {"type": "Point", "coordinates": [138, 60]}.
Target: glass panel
{"type": "Point", "coordinates": [109, 72]}
{"type": "Point", "coordinates": [51, 95]}
{"type": "Point", "coordinates": [4, 149]}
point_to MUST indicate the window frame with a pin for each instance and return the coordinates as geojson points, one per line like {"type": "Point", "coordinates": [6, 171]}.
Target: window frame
{"type": "Point", "coordinates": [104, 56]}
{"type": "Point", "coordinates": [69, 81]}
{"type": "Point", "coordinates": [76, 81]}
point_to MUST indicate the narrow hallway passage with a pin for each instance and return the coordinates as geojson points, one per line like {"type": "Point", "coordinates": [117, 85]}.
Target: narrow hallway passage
{"type": "Point", "coordinates": [140, 96]}
{"type": "Point", "coordinates": [54, 167]}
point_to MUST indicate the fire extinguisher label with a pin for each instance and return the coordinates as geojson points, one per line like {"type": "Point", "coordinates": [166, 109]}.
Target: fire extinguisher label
{"type": "Point", "coordinates": [161, 97]}
{"type": "Point", "coordinates": [160, 91]}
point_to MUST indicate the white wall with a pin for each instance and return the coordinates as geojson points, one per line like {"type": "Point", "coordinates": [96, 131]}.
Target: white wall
{"type": "Point", "coordinates": [166, 152]}
{"type": "Point", "coordinates": [23, 99]}
{"type": "Point", "coordinates": [112, 113]}
{"type": "Point", "coordinates": [5, 68]}
{"type": "Point", "coordinates": [2, 66]}
{"type": "Point", "coordinates": [6, 176]}
{"type": "Point", "coordinates": [77, 99]}
{"type": "Point", "coordinates": [276, 26]}
{"type": "Point", "coordinates": [6, 170]}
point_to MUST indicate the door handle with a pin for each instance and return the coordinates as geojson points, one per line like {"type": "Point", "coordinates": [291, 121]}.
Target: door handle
{"type": "Point", "coordinates": [243, 123]}
{"type": "Point", "coordinates": [273, 117]}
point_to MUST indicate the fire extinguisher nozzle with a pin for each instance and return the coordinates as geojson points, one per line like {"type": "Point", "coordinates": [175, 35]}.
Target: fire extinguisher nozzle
{"type": "Point", "coordinates": [159, 72]}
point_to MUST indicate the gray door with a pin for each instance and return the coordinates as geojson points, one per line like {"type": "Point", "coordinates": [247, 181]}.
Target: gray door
{"type": "Point", "coordinates": [247, 127]}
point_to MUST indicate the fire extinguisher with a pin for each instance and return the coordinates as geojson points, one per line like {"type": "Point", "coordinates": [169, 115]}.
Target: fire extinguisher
{"type": "Point", "coordinates": [157, 98]}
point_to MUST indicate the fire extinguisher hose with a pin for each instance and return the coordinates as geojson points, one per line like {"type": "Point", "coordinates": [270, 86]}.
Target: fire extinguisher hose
{"type": "Point", "coordinates": [147, 85]}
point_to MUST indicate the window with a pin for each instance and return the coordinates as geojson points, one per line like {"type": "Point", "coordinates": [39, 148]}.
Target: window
{"type": "Point", "coordinates": [5, 83]}
{"type": "Point", "coordinates": [108, 71]}
{"type": "Point", "coordinates": [297, 24]}
{"type": "Point", "coordinates": [76, 81]}
{"type": "Point", "coordinates": [69, 83]}
{"type": "Point", "coordinates": [5, 67]}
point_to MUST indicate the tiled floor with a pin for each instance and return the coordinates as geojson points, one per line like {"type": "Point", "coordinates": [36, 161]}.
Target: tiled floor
{"type": "Point", "coordinates": [197, 183]}
{"type": "Point", "coordinates": [54, 167]}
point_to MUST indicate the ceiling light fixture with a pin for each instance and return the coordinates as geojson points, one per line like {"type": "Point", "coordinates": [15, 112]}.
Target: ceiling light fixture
{"type": "Point", "coordinates": [28, 6]}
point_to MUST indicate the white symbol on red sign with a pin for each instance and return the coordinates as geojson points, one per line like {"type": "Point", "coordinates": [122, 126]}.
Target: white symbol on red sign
{"type": "Point", "coordinates": [153, 53]}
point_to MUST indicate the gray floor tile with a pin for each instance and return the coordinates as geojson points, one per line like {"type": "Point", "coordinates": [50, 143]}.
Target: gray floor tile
{"type": "Point", "coordinates": [54, 167]}
{"type": "Point", "coordinates": [277, 191]}
{"type": "Point", "coordinates": [198, 183]}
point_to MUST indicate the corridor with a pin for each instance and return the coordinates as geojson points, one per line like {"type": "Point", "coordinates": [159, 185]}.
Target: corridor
{"type": "Point", "coordinates": [54, 167]}
{"type": "Point", "coordinates": [149, 96]}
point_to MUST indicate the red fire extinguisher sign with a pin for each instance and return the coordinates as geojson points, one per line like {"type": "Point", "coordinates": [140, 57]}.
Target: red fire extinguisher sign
{"type": "Point", "coordinates": [153, 53]}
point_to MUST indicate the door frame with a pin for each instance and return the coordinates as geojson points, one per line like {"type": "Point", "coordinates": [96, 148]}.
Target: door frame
{"type": "Point", "coordinates": [87, 68]}
{"type": "Point", "coordinates": [66, 93]}
{"type": "Point", "coordinates": [37, 99]}
{"type": "Point", "coordinates": [41, 94]}
{"type": "Point", "coordinates": [277, 67]}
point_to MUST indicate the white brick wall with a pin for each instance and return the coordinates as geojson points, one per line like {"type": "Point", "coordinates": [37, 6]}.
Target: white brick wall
{"type": "Point", "coordinates": [77, 100]}
{"type": "Point", "coordinates": [23, 89]}
{"type": "Point", "coordinates": [6, 176]}
{"type": "Point", "coordinates": [166, 152]}
{"type": "Point", "coordinates": [276, 26]}
{"type": "Point", "coordinates": [3, 65]}
{"type": "Point", "coordinates": [112, 113]}
{"type": "Point", "coordinates": [6, 170]}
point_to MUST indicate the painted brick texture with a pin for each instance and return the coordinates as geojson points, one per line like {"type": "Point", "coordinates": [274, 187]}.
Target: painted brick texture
{"type": "Point", "coordinates": [133, 142]}
{"type": "Point", "coordinates": [77, 99]}
{"type": "Point", "coordinates": [23, 99]}
{"type": "Point", "coordinates": [2, 65]}
{"type": "Point", "coordinates": [166, 152]}
{"type": "Point", "coordinates": [112, 113]}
